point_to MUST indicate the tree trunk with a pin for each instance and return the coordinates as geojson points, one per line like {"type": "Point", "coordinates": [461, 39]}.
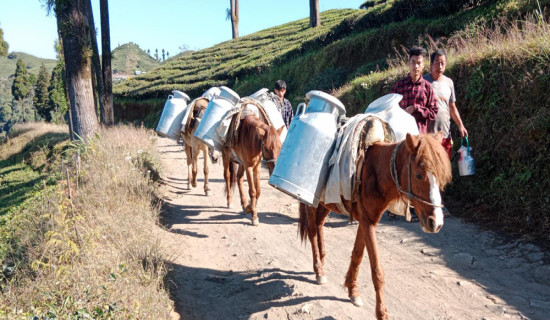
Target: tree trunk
{"type": "Point", "coordinates": [314, 17]}
{"type": "Point", "coordinates": [72, 20]}
{"type": "Point", "coordinates": [65, 85]}
{"type": "Point", "coordinates": [97, 77]}
{"type": "Point", "coordinates": [235, 18]}
{"type": "Point", "coordinates": [108, 114]}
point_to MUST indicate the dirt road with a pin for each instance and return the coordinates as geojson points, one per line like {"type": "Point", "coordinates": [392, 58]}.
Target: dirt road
{"type": "Point", "coordinates": [224, 268]}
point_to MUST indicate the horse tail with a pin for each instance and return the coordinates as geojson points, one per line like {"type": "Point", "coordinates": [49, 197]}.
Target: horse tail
{"type": "Point", "coordinates": [303, 222]}
{"type": "Point", "coordinates": [233, 167]}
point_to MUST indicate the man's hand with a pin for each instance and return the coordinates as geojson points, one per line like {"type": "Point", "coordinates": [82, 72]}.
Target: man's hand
{"type": "Point", "coordinates": [463, 131]}
{"type": "Point", "coordinates": [409, 109]}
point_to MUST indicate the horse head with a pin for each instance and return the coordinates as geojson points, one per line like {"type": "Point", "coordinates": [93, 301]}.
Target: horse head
{"type": "Point", "coordinates": [271, 146]}
{"type": "Point", "coordinates": [429, 171]}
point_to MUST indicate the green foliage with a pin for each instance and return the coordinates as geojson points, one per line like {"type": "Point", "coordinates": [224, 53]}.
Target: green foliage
{"type": "Point", "coordinates": [57, 99]}
{"type": "Point", "coordinates": [41, 94]}
{"type": "Point", "coordinates": [22, 84]}
{"type": "Point", "coordinates": [3, 44]}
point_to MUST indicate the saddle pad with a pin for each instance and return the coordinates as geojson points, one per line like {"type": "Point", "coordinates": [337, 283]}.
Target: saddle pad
{"type": "Point", "coordinates": [360, 131]}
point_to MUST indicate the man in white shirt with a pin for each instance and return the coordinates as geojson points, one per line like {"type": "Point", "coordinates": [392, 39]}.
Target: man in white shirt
{"type": "Point", "coordinates": [446, 100]}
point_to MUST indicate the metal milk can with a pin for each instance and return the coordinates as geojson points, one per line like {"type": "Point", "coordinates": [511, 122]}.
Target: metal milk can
{"type": "Point", "coordinates": [172, 115]}
{"type": "Point", "coordinates": [208, 94]}
{"type": "Point", "coordinates": [302, 166]}
{"type": "Point", "coordinates": [272, 111]}
{"type": "Point", "coordinates": [214, 114]}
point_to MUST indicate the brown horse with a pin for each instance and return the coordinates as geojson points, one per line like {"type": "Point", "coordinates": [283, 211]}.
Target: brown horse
{"type": "Point", "coordinates": [417, 168]}
{"type": "Point", "coordinates": [193, 146]}
{"type": "Point", "coordinates": [256, 140]}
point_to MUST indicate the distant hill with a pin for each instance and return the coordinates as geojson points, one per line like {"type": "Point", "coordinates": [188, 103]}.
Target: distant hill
{"type": "Point", "coordinates": [8, 64]}
{"type": "Point", "coordinates": [129, 57]}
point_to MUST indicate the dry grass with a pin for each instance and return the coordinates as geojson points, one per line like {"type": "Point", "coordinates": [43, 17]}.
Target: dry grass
{"type": "Point", "coordinates": [95, 254]}
{"type": "Point", "coordinates": [513, 39]}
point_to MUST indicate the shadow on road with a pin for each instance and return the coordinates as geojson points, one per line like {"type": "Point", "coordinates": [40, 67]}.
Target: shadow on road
{"type": "Point", "coordinates": [203, 293]}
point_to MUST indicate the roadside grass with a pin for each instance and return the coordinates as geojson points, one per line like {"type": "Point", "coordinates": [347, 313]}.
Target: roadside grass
{"type": "Point", "coordinates": [81, 242]}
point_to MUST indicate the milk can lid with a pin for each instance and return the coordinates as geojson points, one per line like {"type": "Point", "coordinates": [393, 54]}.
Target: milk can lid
{"type": "Point", "coordinates": [180, 95]}
{"type": "Point", "coordinates": [229, 94]}
{"type": "Point", "coordinates": [327, 97]}
{"type": "Point", "coordinates": [384, 102]}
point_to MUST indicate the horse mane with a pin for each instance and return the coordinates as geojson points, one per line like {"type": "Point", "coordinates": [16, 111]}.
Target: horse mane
{"type": "Point", "coordinates": [435, 159]}
{"type": "Point", "coordinates": [254, 142]}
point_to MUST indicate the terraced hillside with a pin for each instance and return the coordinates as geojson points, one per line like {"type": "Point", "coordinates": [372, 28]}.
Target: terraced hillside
{"type": "Point", "coordinates": [225, 62]}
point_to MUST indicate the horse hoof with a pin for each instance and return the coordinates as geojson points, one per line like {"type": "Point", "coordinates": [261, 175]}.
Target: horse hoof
{"type": "Point", "coordinates": [256, 222]}
{"type": "Point", "coordinates": [357, 301]}
{"type": "Point", "coordinates": [206, 193]}
{"type": "Point", "coordinates": [321, 279]}
{"type": "Point", "coordinates": [229, 206]}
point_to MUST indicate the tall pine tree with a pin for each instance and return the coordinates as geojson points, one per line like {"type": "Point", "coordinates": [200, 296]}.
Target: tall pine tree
{"type": "Point", "coordinates": [21, 84]}
{"type": "Point", "coordinates": [57, 99]}
{"type": "Point", "coordinates": [41, 94]}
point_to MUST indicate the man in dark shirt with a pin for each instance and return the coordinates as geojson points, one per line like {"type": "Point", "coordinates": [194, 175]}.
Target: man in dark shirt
{"type": "Point", "coordinates": [418, 95]}
{"type": "Point", "coordinates": [284, 105]}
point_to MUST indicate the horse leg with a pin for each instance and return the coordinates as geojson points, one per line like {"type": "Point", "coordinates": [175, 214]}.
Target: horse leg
{"type": "Point", "coordinates": [353, 270]}
{"type": "Point", "coordinates": [322, 214]}
{"type": "Point", "coordinates": [195, 156]}
{"type": "Point", "coordinates": [317, 245]}
{"type": "Point", "coordinates": [240, 181]}
{"type": "Point", "coordinates": [205, 156]}
{"type": "Point", "coordinates": [189, 160]}
{"type": "Point", "coordinates": [251, 208]}
{"type": "Point", "coordinates": [377, 273]}
{"type": "Point", "coordinates": [227, 178]}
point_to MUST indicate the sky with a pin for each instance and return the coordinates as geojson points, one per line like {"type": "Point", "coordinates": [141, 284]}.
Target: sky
{"type": "Point", "coordinates": [155, 24]}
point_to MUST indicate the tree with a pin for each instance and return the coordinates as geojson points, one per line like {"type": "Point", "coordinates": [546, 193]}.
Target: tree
{"type": "Point", "coordinates": [21, 86]}
{"type": "Point", "coordinates": [233, 14]}
{"type": "Point", "coordinates": [57, 100]}
{"type": "Point", "coordinates": [167, 55]}
{"type": "Point", "coordinates": [148, 52]}
{"type": "Point", "coordinates": [163, 55]}
{"type": "Point", "coordinates": [3, 45]}
{"type": "Point", "coordinates": [73, 27]}
{"type": "Point", "coordinates": [314, 17]}
{"type": "Point", "coordinates": [108, 117]}
{"type": "Point", "coordinates": [97, 76]}
{"type": "Point", "coordinates": [41, 94]}
{"type": "Point", "coordinates": [157, 54]}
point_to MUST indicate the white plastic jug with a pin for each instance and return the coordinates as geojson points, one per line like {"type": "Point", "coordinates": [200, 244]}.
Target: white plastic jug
{"type": "Point", "coordinates": [271, 110]}
{"type": "Point", "coordinates": [387, 108]}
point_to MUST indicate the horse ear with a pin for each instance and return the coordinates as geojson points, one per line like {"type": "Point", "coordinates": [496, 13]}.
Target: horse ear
{"type": "Point", "coordinates": [412, 143]}
{"type": "Point", "coordinates": [439, 136]}
{"type": "Point", "coordinates": [280, 130]}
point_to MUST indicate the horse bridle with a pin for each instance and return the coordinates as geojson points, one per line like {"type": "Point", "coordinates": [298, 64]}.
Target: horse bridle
{"type": "Point", "coordinates": [393, 170]}
{"type": "Point", "coordinates": [274, 160]}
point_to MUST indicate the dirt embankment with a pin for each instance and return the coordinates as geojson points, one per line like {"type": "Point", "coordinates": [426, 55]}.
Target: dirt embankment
{"type": "Point", "coordinates": [224, 268]}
